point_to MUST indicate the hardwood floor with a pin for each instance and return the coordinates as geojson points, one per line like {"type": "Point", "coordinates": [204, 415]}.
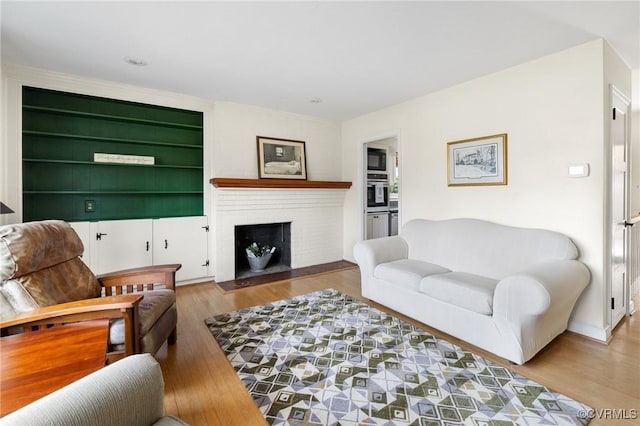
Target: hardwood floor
{"type": "Point", "coordinates": [202, 389]}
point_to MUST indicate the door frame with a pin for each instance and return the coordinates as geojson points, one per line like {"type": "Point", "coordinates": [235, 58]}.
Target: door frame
{"type": "Point", "coordinates": [617, 100]}
{"type": "Point", "coordinates": [363, 176]}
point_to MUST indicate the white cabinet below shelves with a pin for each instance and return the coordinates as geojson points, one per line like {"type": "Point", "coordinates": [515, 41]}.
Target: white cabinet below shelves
{"type": "Point", "coordinates": [113, 245]}
{"type": "Point", "coordinates": [182, 240]}
{"type": "Point", "coordinates": [122, 244]}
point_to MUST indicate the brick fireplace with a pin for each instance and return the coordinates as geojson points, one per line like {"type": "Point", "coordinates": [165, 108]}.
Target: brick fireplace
{"type": "Point", "coordinates": [276, 235]}
{"type": "Point", "coordinates": [314, 214]}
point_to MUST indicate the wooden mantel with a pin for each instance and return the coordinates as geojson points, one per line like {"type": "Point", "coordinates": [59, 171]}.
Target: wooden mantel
{"type": "Point", "coordinates": [221, 182]}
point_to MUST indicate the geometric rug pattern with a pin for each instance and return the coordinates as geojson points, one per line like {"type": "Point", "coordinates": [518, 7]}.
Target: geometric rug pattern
{"type": "Point", "coordinates": [326, 358]}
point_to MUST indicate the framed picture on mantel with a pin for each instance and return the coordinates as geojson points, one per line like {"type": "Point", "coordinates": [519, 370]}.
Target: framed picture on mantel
{"type": "Point", "coordinates": [281, 158]}
{"type": "Point", "coordinates": [478, 161]}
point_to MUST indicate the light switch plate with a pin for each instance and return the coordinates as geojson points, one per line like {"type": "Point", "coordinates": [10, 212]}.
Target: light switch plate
{"type": "Point", "coordinates": [578, 170]}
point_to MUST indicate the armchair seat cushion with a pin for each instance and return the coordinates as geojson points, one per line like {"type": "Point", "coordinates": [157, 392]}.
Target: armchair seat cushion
{"type": "Point", "coordinates": [154, 304]}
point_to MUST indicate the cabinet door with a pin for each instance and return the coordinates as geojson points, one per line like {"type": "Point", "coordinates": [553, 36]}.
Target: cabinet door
{"type": "Point", "coordinates": [369, 229]}
{"type": "Point", "coordinates": [122, 244]}
{"type": "Point", "coordinates": [377, 225]}
{"type": "Point", "coordinates": [182, 240]}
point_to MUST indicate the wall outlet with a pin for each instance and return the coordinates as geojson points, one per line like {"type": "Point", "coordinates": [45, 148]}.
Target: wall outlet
{"type": "Point", "coordinates": [89, 206]}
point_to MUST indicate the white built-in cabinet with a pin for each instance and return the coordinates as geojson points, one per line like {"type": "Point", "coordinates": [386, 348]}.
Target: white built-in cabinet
{"type": "Point", "coordinates": [122, 244]}
{"type": "Point", "coordinates": [185, 241]}
{"type": "Point", "coordinates": [377, 225]}
{"type": "Point", "coordinates": [112, 245]}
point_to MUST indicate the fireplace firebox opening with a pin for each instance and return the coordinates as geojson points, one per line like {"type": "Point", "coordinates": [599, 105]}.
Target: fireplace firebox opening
{"type": "Point", "coordinates": [277, 235]}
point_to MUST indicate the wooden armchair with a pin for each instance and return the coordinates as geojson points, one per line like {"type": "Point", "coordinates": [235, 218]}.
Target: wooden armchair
{"type": "Point", "coordinates": [43, 282]}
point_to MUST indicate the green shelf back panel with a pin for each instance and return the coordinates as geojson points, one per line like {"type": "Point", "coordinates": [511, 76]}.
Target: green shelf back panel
{"type": "Point", "coordinates": [70, 207]}
{"type": "Point", "coordinates": [98, 178]}
{"type": "Point", "coordinates": [91, 104]}
{"type": "Point", "coordinates": [61, 148]}
{"type": "Point", "coordinates": [61, 133]}
{"type": "Point", "coordinates": [44, 122]}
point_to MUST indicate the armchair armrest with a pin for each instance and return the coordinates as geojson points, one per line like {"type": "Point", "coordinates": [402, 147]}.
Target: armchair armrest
{"type": "Point", "coordinates": [140, 277]}
{"type": "Point", "coordinates": [80, 310]}
{"type": "Point", "coordinates": [110, 307]}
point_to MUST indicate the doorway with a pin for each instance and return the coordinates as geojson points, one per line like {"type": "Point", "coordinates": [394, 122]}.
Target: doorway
{"type": "Point", "coordinates": [381, 188]}
{"type": "Point", "coordinates": [618, 252]}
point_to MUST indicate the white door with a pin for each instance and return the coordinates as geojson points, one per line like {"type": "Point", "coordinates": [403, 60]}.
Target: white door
{"type": "Point", "coordinates": [618, 207]}
{"type": "Point", "coordinates": [122, 244]}
{"type": "Point", "coordinates": [182, 240]}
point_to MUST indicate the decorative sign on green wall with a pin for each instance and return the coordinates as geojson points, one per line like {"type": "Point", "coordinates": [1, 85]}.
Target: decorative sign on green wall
{"type": "Point", "coordinates": [90, 158]}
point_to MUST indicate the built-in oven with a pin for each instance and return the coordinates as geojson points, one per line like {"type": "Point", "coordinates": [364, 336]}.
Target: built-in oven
{"type": "Point", "coordinates": [377, 196]}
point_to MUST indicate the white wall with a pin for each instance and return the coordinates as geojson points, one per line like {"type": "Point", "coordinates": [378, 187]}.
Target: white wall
{"type": "Point", "coordinates": [552, 110]}
{"type": "Point", "coordinates": [234, 142]}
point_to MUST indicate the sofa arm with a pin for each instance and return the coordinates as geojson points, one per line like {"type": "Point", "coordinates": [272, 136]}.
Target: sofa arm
{"type": "Point", "coordinates": [127, 392]}
{"type": "Point", "coordinates": [370, 253]}
{"type": "Point", "coordinates": [533, 291]}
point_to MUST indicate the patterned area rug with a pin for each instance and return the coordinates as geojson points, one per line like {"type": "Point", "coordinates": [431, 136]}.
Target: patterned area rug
{"type": "Point", "coordinates": [326, 358]}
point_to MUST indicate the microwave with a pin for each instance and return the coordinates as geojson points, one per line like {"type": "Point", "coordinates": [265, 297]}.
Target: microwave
{"type": "Point", "coordinates": [377, 159]}
{"type": "Point", "coordinates": [377, 196]}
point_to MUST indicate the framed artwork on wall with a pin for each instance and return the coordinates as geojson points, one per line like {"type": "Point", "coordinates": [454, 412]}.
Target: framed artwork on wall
{"type": "Point", "coordinates": [281, 158]}
{"type": "Point", "coordinates": [477, 161]}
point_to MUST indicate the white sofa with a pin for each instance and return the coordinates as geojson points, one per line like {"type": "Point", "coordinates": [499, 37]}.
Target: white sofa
{"type": "Point", "coordinates": [507, 290]}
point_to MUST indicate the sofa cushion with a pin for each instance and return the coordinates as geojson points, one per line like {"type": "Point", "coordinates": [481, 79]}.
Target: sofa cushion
{"type": "Point", "coordinates": [407, 272]}
{"type": "Point", "coordinates": [468, 291]}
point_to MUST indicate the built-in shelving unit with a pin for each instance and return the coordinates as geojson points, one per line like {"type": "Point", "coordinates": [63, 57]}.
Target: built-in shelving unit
{"type": "Point", "coordinates": [62, 131]}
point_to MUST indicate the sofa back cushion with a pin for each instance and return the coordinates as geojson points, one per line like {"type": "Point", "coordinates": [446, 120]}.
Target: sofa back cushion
{"type": "Point", "coordinates": [40, 266]}
{"type": "Point", "coordinates": [484, 248]}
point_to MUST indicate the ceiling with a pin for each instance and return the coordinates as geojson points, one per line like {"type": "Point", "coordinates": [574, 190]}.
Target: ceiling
{"type": "Point", "coordinates": [336, 60]}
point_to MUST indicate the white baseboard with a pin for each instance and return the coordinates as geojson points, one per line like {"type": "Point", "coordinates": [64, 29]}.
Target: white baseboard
{"type": "Point", "coordinates": [194, 281]}
{"type": "Point", "coordinates": [588, 330]}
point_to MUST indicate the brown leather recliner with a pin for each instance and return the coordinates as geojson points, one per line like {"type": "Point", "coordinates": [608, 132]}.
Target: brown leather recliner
{"type": "Point", "coordinates": [44, 282]}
